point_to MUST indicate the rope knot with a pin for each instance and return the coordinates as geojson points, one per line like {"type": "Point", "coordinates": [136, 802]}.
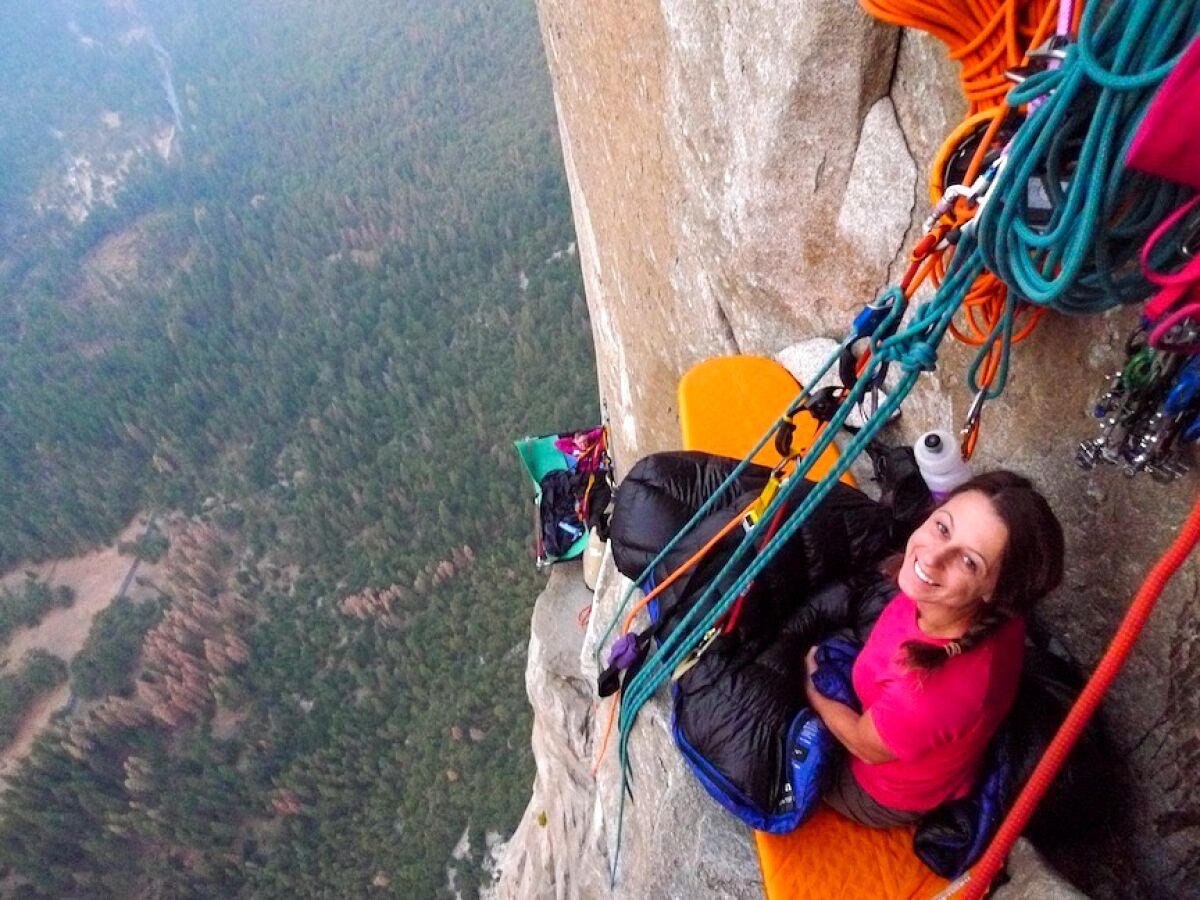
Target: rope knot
{"type": "Point", "coordinates": [917, 356]}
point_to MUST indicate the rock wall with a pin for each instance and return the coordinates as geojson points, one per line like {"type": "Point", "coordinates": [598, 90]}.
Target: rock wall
{"type": "Point", "coordinates": [746, 175]}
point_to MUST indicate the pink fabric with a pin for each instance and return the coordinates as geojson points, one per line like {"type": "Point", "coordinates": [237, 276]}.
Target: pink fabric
{"type": "Point", "coordinates": [1178, 297]}
{"type": "Point", "coordinates": [587, 447]}
{"type": "Point", "coordinates": [1168, 140]}
{"type": "Point", "coordinates": [937, 724]}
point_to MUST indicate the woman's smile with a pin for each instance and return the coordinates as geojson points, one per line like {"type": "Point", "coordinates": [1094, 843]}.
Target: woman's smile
{"type": "Point", "coordinates": [922, 574]}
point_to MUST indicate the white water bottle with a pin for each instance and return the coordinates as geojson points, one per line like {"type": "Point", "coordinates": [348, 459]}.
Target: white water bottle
{"type": "Point", "coordinates": [940, 463]}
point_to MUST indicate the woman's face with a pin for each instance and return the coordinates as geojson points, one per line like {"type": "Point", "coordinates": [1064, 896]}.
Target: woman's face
{"type": "Point", "coordinates": [952, 561]}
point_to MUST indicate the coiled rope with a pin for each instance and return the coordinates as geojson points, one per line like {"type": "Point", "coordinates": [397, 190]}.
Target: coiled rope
{"type": "Point", "coordinates": [1073, 145]}
{"type": "Point", "coordinates": [987, 38]}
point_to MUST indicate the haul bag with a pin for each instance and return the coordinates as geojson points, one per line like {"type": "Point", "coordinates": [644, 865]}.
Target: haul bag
{"type": "Point", "coordinates": [571, 475]}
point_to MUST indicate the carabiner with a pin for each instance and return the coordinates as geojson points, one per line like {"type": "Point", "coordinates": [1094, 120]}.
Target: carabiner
{"type": "Point", "coordinates": [970, 430]}
{"type": "Point", "coordinates": [1190, 243]}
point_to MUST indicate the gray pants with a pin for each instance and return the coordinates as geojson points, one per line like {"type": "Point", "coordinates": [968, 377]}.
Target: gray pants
{"type": "Point", "coordinates": [847, 797]}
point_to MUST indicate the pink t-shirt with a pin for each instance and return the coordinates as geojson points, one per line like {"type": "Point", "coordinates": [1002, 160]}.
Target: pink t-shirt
{"type": "Point", "coordinates": [937, 724]}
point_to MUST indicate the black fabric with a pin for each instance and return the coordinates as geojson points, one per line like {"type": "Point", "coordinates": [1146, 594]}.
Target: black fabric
{"type": "Point", "coordinates": [1077, 805]}
{"type": "Point", "coordinates": [562, 494]}
{"type": "Point", "coordinates": [847, 533]}
{"type": "Point", "coordinates": [734, 707]}
{"type": "Point", "coordinates": [902, 489]}
{"type": "Point", "coordinates": [661, 493]}
{"type": "Point", "coordinates": [736, 704]}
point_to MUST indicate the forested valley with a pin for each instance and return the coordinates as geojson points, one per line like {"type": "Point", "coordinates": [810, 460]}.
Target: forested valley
{"type": "Point", "coordinates": [297, 273]}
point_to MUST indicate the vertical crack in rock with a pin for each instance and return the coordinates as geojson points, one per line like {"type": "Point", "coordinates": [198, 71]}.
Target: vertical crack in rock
{"type": "Point", "coordinates": [820, 172]}
{"type": "Point", "coordinates": [726, 327]}
{"type": "Point", "coordinates": [877, 207]}
{"type": "Point", "coordinates": [900, 259]}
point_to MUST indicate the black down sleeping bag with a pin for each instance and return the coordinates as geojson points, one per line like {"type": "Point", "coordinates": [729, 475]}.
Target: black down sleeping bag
{"type": "Point", "coordinates": [734, 708]}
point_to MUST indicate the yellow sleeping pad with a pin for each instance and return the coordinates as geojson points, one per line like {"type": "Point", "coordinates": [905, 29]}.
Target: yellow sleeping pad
{"type": "Point", "coordinates": [728, 402]}
{"type": "Point", "coordinates": [725, 405]}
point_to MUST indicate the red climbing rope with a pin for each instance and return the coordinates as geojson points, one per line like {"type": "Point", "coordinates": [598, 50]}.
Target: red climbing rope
{"type": "Point", "coordinates": [1093, 692]}
{"type": "Point", "coordinates": [645, 601]}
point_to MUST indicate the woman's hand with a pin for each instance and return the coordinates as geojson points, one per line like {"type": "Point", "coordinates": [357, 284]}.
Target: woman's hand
{"type": "Point", "coordinates": [856, 732]}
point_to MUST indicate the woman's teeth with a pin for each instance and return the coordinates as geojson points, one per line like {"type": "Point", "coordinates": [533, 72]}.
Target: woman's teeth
{"type": "Point", "coordinates": [921, 574]}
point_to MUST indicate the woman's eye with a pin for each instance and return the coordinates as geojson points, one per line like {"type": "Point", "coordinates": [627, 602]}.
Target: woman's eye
{"type": "Point", "coordinates": [969, 563]}
{"type": "Point", "coordinates": [942, 529]}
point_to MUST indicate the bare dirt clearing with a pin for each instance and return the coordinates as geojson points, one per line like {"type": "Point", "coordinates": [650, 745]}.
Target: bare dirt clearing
{"type": "Point", "coordinates": [96, 578]}
{"type": "Point", "coordinates": [36, 718]}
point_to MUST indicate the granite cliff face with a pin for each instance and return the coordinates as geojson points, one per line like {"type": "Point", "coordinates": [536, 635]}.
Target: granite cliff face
{"type": "Point", "coordinates": [745, 175]}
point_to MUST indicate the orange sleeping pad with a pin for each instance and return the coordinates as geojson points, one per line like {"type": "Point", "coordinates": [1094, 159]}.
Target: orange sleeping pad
{"type": "Point", "coordinates": [728, 402]}
{"type": "Point", "coordinates": [725, 405]}
{"type": "Point", "coordinates": [831, 858]}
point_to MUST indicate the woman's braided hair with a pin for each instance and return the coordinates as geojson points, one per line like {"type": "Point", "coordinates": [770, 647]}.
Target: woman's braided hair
{"type": "Point", "coordinates": [1031, 565]}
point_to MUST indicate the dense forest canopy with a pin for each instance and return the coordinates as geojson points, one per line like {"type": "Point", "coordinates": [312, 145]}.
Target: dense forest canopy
{"type": "Point", "coordinates": [301, 269]}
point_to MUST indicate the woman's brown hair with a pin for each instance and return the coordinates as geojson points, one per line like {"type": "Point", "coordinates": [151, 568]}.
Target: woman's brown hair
{"type": "Point", "coordinates": [1031, 565]}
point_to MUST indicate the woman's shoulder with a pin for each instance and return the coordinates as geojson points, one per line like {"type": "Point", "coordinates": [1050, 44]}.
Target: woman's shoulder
{"type": "Point", "coordinates": [993, 668]}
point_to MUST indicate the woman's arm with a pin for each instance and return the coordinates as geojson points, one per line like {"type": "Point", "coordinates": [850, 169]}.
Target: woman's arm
{"type": "Point", "coordinates": [856, 732]}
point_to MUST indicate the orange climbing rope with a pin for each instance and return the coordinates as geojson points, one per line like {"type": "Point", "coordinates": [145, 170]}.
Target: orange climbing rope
{"type": "Point", "coordinates": [645, 601]}
{"type": "Point", "coordinates": [987, 38]}
{"type": "Point", "coordinates": [978, 879]}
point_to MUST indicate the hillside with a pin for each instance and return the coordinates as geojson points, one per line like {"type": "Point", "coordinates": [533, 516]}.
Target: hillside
{"type": "Point", "coordinates": [299, 271]}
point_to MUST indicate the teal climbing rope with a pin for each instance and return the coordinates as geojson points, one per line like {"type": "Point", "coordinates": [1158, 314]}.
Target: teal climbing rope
{"type": "Point", "coordinates": [1065, 219]}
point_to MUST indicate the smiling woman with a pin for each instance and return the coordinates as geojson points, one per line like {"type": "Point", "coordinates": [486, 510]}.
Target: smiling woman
{"type": "Point", "coordinates": [940, 669]}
